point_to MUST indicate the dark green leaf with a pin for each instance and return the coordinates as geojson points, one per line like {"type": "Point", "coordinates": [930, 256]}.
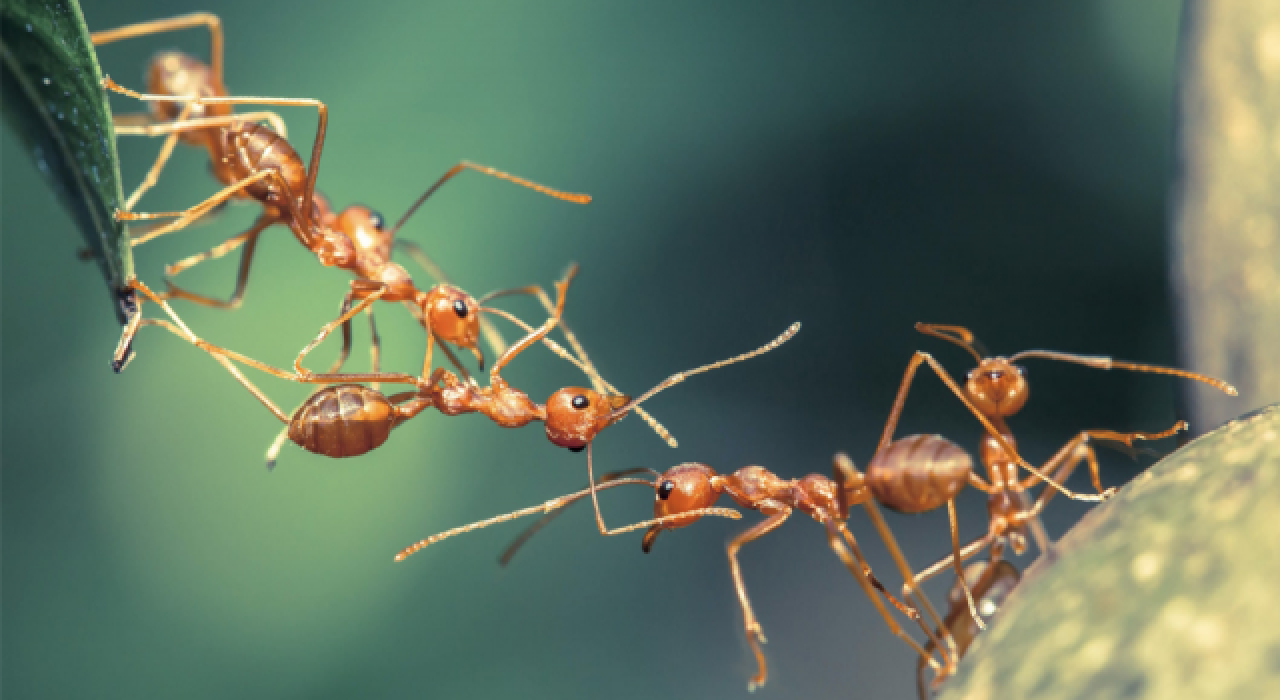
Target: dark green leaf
{"type": "Point", "coordinates": [53, 98]}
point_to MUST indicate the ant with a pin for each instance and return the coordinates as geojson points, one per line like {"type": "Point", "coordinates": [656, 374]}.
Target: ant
{"type": "Point", "coordinates": [685, 488]}
{"type": "Point", "coordinates": [348, 420]}
{"type": "Point", "coordinates": [256, 162]}
{"type": "Point", "coordinates": [996, 389]}
{"type": "Point", "coordinates": [991, 582]}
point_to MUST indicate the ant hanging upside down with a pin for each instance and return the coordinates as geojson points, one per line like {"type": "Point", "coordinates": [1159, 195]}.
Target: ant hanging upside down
{"type": "Point", "coordinates": [258, 163]}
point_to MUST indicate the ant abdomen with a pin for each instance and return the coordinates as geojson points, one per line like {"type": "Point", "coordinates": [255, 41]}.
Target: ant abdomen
{"type": "Point", "coordinates": [252, 148]}
{"type": "Point", "coordinates": [919, 473]}
{"type": "Point", "coordinates": [347, 420]}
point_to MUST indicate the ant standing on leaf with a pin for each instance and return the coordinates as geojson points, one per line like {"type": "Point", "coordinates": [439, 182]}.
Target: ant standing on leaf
{"type": "Point", "coordinates": [996, 389]}
{"type": "Point", "coordinates": [257, 163]}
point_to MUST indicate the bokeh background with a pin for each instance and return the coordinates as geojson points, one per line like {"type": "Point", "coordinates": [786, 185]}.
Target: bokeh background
{"type": "Point", "coordinates": [859, 166]}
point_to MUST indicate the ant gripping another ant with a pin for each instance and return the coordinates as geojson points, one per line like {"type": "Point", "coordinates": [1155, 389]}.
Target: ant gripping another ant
{"type": "Point", "coordinates": [996, 389]}
{"type": "Point", "coordinates": [685, 489]}
{"type": "Point", "coordinates": [255, 162]}
{"type": "Point", "coordinates": [349, 420]}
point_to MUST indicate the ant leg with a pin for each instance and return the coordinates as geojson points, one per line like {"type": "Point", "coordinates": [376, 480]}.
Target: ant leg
{"type": "Point", "coordinates": [329, 327]}
{"type": "Point", "coordinates": [375, 347]}
{"type": "Point", "coordinates": [847, 476]}
{"type": "Point", "coordinates": [132, 120]}
{"type": "Point", "coordinates": [250, 241]}
{"type": "Point", "coordinates": [183, 124]}
{"type": "Point", "coordinates": [172, 24]}
{"type": "Point", "coordinates": [179, 328]}
{"type": "Point", "coordinates": [273, 452]}
{"type": "Point", "coordinates": [235, 372]}
{"type": "Point", "coordinates": [959, 564]}
{"type": "Point", "coordinates": [305, 377]}
{"type": "Point", "coordinates": [859, 574]}
{"type": "Point", "coordinates": [966, 552]}
{"type": "Point", "coordinates": [153, 173]}
{"type": "Point", "coordinates": [346, 333]}
{"type": "Point", "coordinates": [322, 125]}
{"type": "Point", "coordinates": [562, 288]}
{"type": "Point", "coordinates": [755, 635]}
{"type": "Point", "coordinates": [491, 335]}
{"type": "Point", "coordinates": [185, 218]}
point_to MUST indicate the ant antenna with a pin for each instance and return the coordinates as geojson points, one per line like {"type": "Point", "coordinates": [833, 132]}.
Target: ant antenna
{"type": "Point", "coordinates": [545, 520]}
{"type": "Point", "coordinates": [1103, 362]}
{"type": "Point", "coordinates": [466, 165]}
{"type": "Point", "coordinates": [681, 376]}
{"type": "Point", "coordinates": [958, 335]}
{"type": "Point", "coordinates": [560, 502]}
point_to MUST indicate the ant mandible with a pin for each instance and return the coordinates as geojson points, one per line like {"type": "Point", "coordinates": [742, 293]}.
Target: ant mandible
{"type": "Point", "coordinates": [258, 163]}
{"type": "Point", "coordinates": [996, 389]}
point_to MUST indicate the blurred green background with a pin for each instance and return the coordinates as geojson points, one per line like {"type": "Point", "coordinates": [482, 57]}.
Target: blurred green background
{"type": "Point", "coordinates": [858, 166]}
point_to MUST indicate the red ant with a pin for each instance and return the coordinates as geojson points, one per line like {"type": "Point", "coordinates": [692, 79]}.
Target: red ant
{"type": "Point", "coordinates": [350, 420]}
{"type": "Point", "coordinates": [258, 163]}
{"type": "Point", "coordinates": [686, 488]}
{"type": "Point", "coordinates": [996, 389]}
{"type": "Point", "coordinates": [991, 582]}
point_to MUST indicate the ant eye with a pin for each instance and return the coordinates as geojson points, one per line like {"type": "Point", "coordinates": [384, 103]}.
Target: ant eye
{"type": "Point", "coordinates": [665, 489]}
{"type": "Point", "coordinates": [376, 219]}
{"type": "Point", "coordinates": [577, 449]}
{"type": "Point", "coordinates": [1022, 371]}
{"type": "Point", "coordinates": [460, 308]}
{"type": "Point", "coordinates": [580, 402]}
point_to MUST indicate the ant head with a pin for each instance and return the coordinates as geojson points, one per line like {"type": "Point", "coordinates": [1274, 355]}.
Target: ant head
{"type": "Point", "coordinates": [998, 387]}
{"type": "Point", "coordinates": [452, 314]}
{"type": "Point", "coordinates": [682, 488]}
{"type": "Point", "coordinates": [367, 230]}
{"type": "Point", "coordinates": [575, 415]}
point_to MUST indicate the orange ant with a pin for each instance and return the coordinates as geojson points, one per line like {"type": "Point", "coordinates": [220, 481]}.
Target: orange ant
{"type": "Point", "coordinates": [991, 582]}
{"type": "Point", "coordinates": [684, 489]}
{"type": "Point", "coordinates": [256, 162]}
{"type": "Point", "coordinates": [996, 389]}
{"type": "Point", "coordinates": [349, 420]}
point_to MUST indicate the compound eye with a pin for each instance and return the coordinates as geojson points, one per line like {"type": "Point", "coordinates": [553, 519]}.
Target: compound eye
{"type": "Point", "coordinates": [460, 308]}
{"type": "Point", "coordinates": [376, 219]}
{"type": "Point", "coordinates": [969, 375]}
{"type": "Point", "coordinates": [580, 402]}
{"type": "Point", "coordinates": [1022, 371]}
{"type": "Point", "coordinates": [665, 489]}
{"type": "Point", "coordinates": [577, 449]}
